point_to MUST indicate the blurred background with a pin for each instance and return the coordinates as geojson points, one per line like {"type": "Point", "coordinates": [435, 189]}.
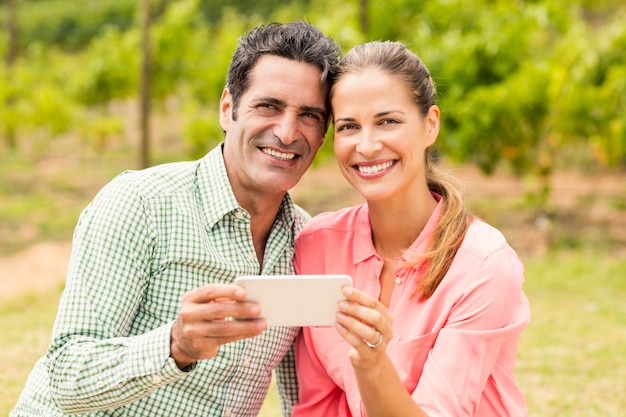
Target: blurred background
{"type": "Point", "coordinates": [533, 98]}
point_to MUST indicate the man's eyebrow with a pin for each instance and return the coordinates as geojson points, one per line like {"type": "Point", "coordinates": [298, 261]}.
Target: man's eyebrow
{"type": "Point", "coordinates": [281, 104]}
{"type": "Point", "coordinates": [313, 109]}
{"type": "Point", "coordinates": [269, 100]}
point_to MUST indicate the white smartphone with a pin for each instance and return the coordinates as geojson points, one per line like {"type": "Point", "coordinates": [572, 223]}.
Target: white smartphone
{"type": "Point", "coordinates": [296, 300]}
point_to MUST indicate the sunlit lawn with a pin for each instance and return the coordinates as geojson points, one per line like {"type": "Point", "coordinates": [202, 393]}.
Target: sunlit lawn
{"type": "Point", "coordinates": [571, 359]}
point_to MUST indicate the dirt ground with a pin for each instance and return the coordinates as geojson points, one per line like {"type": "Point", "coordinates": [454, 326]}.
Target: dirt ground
{"type": "Point", "coordinates": [595, 206]}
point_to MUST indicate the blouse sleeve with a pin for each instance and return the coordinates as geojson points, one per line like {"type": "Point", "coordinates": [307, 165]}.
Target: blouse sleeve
{"type": "Point", "coordinates": [478, 342]}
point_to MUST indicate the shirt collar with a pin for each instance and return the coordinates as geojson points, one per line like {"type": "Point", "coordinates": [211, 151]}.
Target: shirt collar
{"type": "Point", "coordinates": [364, 245]}
{"type": "Point", "coordinates": [216, 194]}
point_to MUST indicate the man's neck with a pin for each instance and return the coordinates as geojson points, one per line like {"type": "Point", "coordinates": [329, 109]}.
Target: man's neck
{"type": "Point", "coordinates": [262, 216]}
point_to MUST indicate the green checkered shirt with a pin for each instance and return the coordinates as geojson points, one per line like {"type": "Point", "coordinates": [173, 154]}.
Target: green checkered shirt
{"type": "Point", "coordinates": [148, 237]}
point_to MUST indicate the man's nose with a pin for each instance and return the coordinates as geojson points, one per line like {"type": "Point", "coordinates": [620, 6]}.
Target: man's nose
{"type": "Point", "coordinates": [286, 129]}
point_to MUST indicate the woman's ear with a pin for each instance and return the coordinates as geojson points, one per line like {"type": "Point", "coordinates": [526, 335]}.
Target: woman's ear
{"type": "Point", "coordinates": [432, 124]}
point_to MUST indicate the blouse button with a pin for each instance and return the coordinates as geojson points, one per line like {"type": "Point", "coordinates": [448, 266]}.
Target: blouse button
{"type": "Point", "coordinates": [398, 280]}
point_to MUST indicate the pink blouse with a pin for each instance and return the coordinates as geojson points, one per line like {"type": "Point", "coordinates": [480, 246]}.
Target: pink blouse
{"type": "Point", "coordinates": [455, 352]}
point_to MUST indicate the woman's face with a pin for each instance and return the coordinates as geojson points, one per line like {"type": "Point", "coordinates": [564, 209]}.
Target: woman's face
{"type": "Point", "coordinates": [380, 136]}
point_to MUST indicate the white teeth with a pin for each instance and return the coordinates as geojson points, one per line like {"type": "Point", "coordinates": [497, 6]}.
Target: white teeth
{"type": "Point", "coordinates": [280, 155]}
{"type": "Point", "coordinates": [373, 169]}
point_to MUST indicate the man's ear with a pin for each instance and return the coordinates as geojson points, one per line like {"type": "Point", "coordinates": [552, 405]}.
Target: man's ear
{"type": "Point", "coordinates": [226, 109]}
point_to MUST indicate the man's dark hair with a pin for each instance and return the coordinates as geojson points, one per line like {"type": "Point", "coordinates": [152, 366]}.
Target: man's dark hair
{"type": "Point", "coordinates": [299, 41]}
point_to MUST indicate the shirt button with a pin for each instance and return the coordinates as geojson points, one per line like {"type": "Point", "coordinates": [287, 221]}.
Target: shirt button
{"type": "Point", "coordinates": [228, 412]}
{"type": "Point", "coordinates": [398, 280]}
{"type": "Point", "coordinates": [156, 379]}
{"type": "Point", "coordinates": [246, 362]}
{"type": "Point", "coordinates": [251, 256]}
{"type": "Point", "coordinates": [239, 215]}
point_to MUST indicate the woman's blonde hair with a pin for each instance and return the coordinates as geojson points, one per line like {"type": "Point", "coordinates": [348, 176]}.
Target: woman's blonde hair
{"type": "Point", "coordinates": [395, 58]}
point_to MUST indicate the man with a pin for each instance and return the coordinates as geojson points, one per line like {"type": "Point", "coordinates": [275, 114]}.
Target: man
{"type": "Point", "coordinates": [124, 343]}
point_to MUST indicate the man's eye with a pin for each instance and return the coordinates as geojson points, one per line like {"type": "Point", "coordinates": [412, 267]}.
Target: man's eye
{"type": "Point", "coordinates": [315, 116]}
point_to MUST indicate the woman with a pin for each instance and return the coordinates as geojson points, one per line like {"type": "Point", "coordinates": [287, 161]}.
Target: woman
{"type": "Point", "coordinates": [432, 322]}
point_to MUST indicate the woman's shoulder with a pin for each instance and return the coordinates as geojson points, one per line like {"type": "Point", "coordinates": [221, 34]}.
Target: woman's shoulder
{"type": "Point", "coordinates": [344, 219]}
{"type": "Point", "coordinates": [482, 239]}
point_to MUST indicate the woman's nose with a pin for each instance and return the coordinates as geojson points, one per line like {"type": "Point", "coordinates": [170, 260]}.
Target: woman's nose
{"type": "Point", "coordinates": [368, 144]}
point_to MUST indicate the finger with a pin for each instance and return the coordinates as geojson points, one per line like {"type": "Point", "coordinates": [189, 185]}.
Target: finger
{"type": "Point", "coordinates": [230, 329]}
{"type": "Point", "coordinates": [361, 330]}
{"type": "Point", "coordinates": [354, 340]}
{"type": "Point", "coordinates": [215, 292]}
{"type": "Point", "coordinates": [377, 317]}
{"type": "Point", "coordinates": [201, 340]}
{"type": "Point", "coordinates": [218, 311]}
{"type": "Point", "coordinates": [362, 298]}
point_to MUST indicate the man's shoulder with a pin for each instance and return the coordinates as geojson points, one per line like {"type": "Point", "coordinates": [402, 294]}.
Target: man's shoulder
{"type": "Point", "coordinates": [157, 180]}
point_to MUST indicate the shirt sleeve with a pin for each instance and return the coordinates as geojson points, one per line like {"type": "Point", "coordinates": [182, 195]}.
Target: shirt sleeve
{"type": "Point", "coordinates": [478, 341]}
{"type": "Point", "coordinates": [287, 382]}
{"type": "Point", "coordinates": [92, 364]}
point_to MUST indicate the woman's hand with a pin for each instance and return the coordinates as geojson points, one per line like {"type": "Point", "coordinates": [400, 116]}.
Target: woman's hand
{"type": "Point", "coordinates": [365, 323]}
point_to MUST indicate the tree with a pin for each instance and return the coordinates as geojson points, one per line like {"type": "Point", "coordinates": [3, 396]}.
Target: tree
{"type": "Point", "coordinates": [11, 55]}
{"type": "Point", "coordinates": [144, 85]}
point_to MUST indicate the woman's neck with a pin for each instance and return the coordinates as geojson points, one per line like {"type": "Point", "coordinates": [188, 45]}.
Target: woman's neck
{"type": "Point", "coordinates": [396, 225]}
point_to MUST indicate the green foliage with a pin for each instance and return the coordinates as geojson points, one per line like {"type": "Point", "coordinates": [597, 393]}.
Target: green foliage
{"type": "Point", "coordinates": [591, 107]}
{"type": "Point", "coordinates": [70, 25]}
{"type": "Point", "coordinates": [108, 69]}
{"type": "Point", "coordinates": [202, 130]}
{"type": "Point", "coordinates": [526, 84]}
{"type": "Point", "coordinates": [35, 100]}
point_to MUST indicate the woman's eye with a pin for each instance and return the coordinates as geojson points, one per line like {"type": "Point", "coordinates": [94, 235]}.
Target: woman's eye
{"type": "Point", "coordinates": [345, 127]}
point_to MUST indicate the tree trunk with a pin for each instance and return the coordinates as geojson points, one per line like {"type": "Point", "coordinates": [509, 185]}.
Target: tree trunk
{"type": "Point", "coordinates": [145, 81]}
{"type": "Point", "coordinates": [364, 17]}
{"type": "Point", "coordinates": [11, 24]}
{"type": "Point", "coordinates": [11, 54]}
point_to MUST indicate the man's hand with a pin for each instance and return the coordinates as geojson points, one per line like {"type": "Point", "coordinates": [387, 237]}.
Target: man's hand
{"type": "Point", "coordinates": [208, 318]}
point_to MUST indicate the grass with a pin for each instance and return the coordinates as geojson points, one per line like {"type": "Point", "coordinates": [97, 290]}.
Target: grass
{"type": "Point", "coordinates": [26, 326]}
{"type": "Point", "coordinates": [570, 360]}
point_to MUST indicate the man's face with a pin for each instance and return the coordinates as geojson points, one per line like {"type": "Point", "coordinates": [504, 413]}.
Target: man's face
{"type": "Point", "coordinates": [279, 127]}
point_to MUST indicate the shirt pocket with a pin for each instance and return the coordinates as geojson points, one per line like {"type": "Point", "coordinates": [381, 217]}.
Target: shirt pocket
{"type": "Point", "coordinates": [409, 357]}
